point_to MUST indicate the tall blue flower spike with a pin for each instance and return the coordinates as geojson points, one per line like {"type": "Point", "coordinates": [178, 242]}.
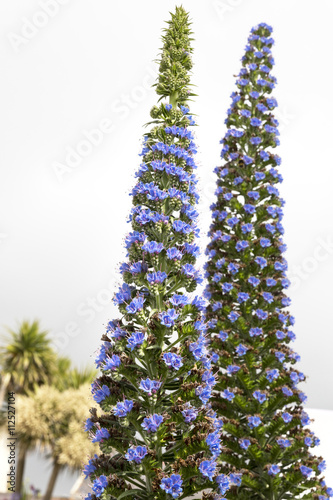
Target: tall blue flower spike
{"type": "Point", "coordinates": [155, 432]}
{"type": "Point", "coordinates": [256, 395]}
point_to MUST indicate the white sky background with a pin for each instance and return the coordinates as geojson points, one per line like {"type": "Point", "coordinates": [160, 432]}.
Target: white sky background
{"type": "Point", "coordinates": [91, 65]}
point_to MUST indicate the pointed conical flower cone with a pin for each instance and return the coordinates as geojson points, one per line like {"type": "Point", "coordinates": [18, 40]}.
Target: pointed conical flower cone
{"type": "Point", "coordinates": [155, 368]}
{"type": "Point", "coordinates": [265, 426]}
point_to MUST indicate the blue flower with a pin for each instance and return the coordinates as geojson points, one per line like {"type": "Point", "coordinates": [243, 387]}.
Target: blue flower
{"type": "Point", "coordinates": [181, 227]}
{"type": "Point", "coordinates": [152, 247]}
{"type": "Point", "coordinates": [135, 339]}
{"type": "Point", "coordinates": [231, 369]}
{"type": "Point", "coordinates": [259, 176]}
{"type": "Point", "coordinates": [137, 267]}
{"type": "Point", "coordinates": [189, 414]}
{"type": "Point", "coordinates": [253, 194]}
{"type": "Point", "coordinates": [235, 133]}
{"type": "Point", "coordinates": [322, 466]}
{"type": "Point", "coordinates": [271, 282]}
{"type": "Point", "coordinates": [233, 316]}
{"type": "Point", "coordinates": [223, 335]}
{"type": "Point", "coordinates": [172, 360]}
{"type": "Point", "coordinates": [232, 221]}
{"type": "Point", "coordinates": [255, 331]}
{"type": "Point", "coordinates": [260, 396]}
{"type": "Point", "coordinates": [227, 287]}
{"type": "Point", "coordinates": [123, 408]}
{"type": "Point", "coordinates": [244, 443]}
{"type": "Point", "coordinates": [273, 470]}
{"type": "Point", "coordinates": [136, 454]}
{"type": "Point", "coordinates": [101, 394]}
{"type": "Point", "coordinates": [232, 268]}
{"type": "Point", "coordinates": [168, 317]}
{"type": "Point", "coordinates": [243, 82]}
{"type": "Point", "coordinates": [190, 271]}
{"type": "Point", "coordinates": [208, 468]}
{"type": "Point", "coordinates": [223, 483]}
{"type": "Point", "coordinates": [243, 297]}
{"type": "Point", "coordinates": [261, 314]}
{"type": "Point", "coordinates": [254, 94]}
{"type": "Point", "coordinates": [204, 393]}
{"type": "Point", "coordinates": [241, 245]}
{"type": "Point", "coordinates": [241, 350]}
{"type": "Point", "coordinates": [112, 363]}
{"type": "Point", "coordinates": [268, 297]}
{"type": "Point", "coordinates": [229, 395]}
{"type": "Point", "coordinates": [172, 485]}
{"type": "Point", "coordinates": [247, 228]}
{"type": "Point", "coordinates": [179, 300]}
{"type": "Point", "coordinates": [261, 107]}
{"type": "Point", "coordinates": [255, 141]}
{"type": "Point", "coordinates": [88, 425]}
{"type": "Point", "coordinates": [306, 471]}
{"type": "Point", "coordinates": [261, 261]}
{"type": "Point", "coordinates": [250, 209]}
{"type": "Point", "coordinates": [99, 485]}
{"type": "Point", "coordinates": [89, 468]}
{"type": "Point", "coordinates": [100, 435]}
{"type": "Point", "coordinates": [151, 424]}
{"type": "Point", "coordinates": [235, 479]}
{"type": "Point", "coordinates": [174, 254]}
{"type": "Point", "coordinates": [213, 440]}
{"type": "Point", "coordinates": [308, 441]}
{"type": "Point", "coordinates": [287, 392]}
{"type": "Point", "coordinates": [216, 306]}
{"type": "Point", "coordinates": [255, 122]}
{"type": "Point", "coordinates": [123, 295]}
{"type": "Point", "coordinates": [272, 374]}
{"type": "Point", "coordinates": [237, 180]}
{"type": "Point", "coordinates": [264, 155]}
{"type": "Point", "coordinates": [253, 281]}
{"type": "Point", "coordinates": [305, 419]}
{"type": "Point", "coordinates": [247, 160]}
{"type": "Point", "coordinates": [280, 334]}
{"type": "Point", "coordinates": [271, 103]}
{"type": "Point", "coordinates": [135, 306]}
{"type": "Point", "coordinates": [158, 277]}
{"type": "Point", "coordinates": [283, 443]}
{"type": "Point", "coordinates": [168, 107]}
{"type": "Point", "coordinates": [253, 421]}
{"type": "Point", "coordinates": [245, 112]}
{"type": "Point", "coordinates": [199, 303]}
{"type": "Point", "coordinates": [265, 242]}
{"type": "Point", "coordinates": [150, 386]}
{"type": "Point", "coordinates": [286, 417]}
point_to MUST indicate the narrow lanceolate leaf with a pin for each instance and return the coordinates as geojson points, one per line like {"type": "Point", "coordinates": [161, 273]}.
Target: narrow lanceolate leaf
{"type": "Point", "coordinates": [157, 438]}
{"type": "Point", "coordinates": [257, 396]}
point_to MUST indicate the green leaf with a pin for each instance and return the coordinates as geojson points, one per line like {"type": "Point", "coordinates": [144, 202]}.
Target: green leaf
{"type": "Point", "coordinates": [130, 493]}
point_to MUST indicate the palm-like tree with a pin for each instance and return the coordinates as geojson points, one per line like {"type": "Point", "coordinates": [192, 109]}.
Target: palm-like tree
{"type": "Point", "coordinates": [27, 361]}
{"type": "Point", "coordinates": [27, 357]}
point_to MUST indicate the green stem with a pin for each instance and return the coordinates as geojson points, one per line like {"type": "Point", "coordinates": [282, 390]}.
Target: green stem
{"type": "Point", "coordinates": [173, 99]}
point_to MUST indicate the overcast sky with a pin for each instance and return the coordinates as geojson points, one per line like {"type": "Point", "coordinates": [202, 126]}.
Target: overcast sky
{"type": "Point", "coordinates": [75, 93]}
